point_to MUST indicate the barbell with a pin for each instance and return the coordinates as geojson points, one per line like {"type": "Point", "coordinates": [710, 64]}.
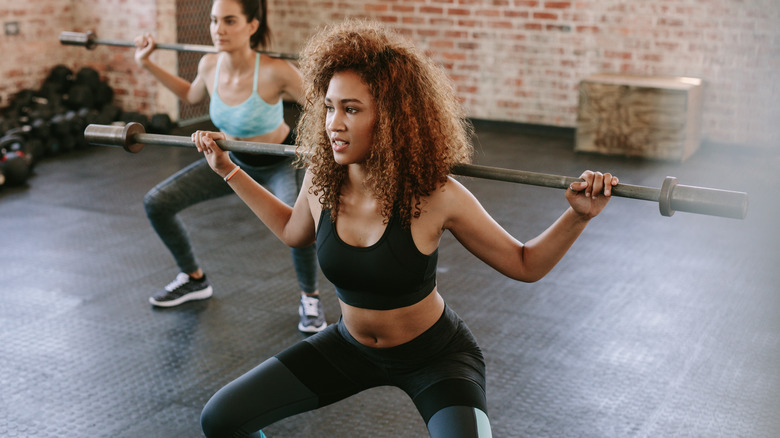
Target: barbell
{"type": "Point", "coordinates": [671, 196]}
{"type": "Point", "coordinates": [90, 40]}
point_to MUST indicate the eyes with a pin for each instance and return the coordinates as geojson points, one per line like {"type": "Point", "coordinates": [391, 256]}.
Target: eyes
{"type": "Point", "coordinates": [349, 109]}
{"type": "Point", "coordinates": [229, 21]}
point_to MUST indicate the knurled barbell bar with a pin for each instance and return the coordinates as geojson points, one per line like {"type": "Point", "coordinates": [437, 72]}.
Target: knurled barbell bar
{"type": "Point", "coordinates": [670, 196]}
{"type": "Point", "coordinates": [90, 40]}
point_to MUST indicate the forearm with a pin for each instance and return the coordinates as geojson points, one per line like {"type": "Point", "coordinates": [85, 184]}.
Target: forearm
{"type": "Point", "coordinates": [274, 213]}
{"type": "Point", "coordinates": [542, 253]}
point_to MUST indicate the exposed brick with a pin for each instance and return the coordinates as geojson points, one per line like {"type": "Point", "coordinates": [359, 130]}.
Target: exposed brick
{"type": "Point", "coordinates": [617, 55]}
{"type": "Point", "coordinates": [529, 55]}
{"type": "Point", "coordinates": [670, 22]}
{"type": "Point", "coordinates": [588, 29]}
{"type": "Point", "coordinates": [545, 16]}
{"type": "Point", "coordinates": [488, 13]}
{"type": "Point", "coordinates": [651, 57]}
{"type": "Point", "coordinates": [516, 13]}
{"type": "Point", "coordinates": [431, 10]}
{"type": "Point", "coordinates": [373, 7]}
{"type": "Point", "coordinates": [458, 11]}
{"type": "Point", "coordinates": [413, 20]}
{"type": "Point", "coordinates": [469, 23]}
{"type": "Point", "coordinates": [557, 5]}
{"type": "Point", "coordinates": [403, 9]}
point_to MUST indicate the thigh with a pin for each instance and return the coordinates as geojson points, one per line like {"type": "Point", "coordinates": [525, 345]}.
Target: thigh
{"type": "Point", "coordinates": [190, 185]}
{"type": "Point", "coordinates": [262, 396]}
{"type": "Point", "coordinates": [281, 179]}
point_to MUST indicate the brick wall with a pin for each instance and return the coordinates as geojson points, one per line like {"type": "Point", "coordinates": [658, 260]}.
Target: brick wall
{"type": "Point", "coordinates": [512, 60]}
{"type": "Point", "coordinates": [522, 60]}
{"type": "Point", "coordinates": [29, 56]}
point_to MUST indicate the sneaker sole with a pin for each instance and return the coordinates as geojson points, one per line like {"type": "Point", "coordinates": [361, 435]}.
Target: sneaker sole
{"type": "Point", "coordinates": [199, 295]}
{"type": "Point", "coordinates": [312, 329]}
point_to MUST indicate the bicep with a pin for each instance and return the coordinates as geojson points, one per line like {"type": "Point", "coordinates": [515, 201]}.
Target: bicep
{"type": "Point", "coordinates": [198, 91]}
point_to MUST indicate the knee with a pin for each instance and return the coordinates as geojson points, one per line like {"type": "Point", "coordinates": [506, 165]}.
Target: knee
{"type": "Point", "coordinates": [213, 422]}
{"type": "Point", "coordinates": [460, 422]}
{"type": "Point", "coordinates": [151, 204]}
{"type": "Point", "coordinates": [157, 206]}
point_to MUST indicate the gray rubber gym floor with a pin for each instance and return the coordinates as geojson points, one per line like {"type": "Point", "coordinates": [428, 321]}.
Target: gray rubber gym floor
{"type": "Point", "coordinates": [650, 327]}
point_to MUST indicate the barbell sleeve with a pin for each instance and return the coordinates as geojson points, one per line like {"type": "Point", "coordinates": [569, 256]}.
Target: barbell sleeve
{"type": "Point", "coordinates": [90, 40]}
{"type": "Point", "coordinates": [671, 196]}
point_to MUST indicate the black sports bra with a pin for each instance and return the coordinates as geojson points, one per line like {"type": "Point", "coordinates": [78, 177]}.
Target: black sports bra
{"type": "Point", "coordinates": [389, 274]}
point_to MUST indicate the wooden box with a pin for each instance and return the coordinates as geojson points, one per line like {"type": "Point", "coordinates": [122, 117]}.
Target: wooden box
{"type": "Point", "coordinates": [639, 116]}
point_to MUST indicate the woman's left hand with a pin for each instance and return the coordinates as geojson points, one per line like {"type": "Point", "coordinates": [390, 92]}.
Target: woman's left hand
{"type": "Point", "coordinates": [591, 195]}
{"type": "Point", "coordinates": [219, 160]}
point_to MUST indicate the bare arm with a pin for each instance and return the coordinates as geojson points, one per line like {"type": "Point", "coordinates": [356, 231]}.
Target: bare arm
{"type": "Point", "coordinates": [292, 225]}
{"type": "Point", "coordinates": [481, 235]}
{"type": "Point", "coordinates": [289, 79]}
{"type": "Point", "coordinates": [190, 92]}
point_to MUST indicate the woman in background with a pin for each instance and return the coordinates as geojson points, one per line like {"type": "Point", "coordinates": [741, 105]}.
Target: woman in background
{"type": "Point", "coordinates": [246, 89]}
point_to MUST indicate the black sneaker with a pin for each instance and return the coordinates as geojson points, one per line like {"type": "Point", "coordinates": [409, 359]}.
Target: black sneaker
{"type": "Point", "coordinates": [184, 288]}
{"type": "Point", "coordinates": [312, 316]}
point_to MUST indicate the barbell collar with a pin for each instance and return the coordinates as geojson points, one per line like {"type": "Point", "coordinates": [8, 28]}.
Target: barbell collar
{"type": "Point", "coordinates": [84, 39]}
{"type": "Point", "coordinates": [665, 197]}
{"type": "Point", "coordinates": [671, 196]}
{"type": "Point", "coordinates": [116, 135]}
{"type": "Point", "coordinates": [90, 41]}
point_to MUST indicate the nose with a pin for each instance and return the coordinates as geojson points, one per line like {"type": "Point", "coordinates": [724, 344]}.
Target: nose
{"type": "Point", "coordinates": [216, 26]}
{"type": "Point", "coordinates": [334, 121]}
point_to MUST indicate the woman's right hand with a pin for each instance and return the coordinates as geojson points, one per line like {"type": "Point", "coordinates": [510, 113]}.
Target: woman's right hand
{"type": "Point", "coordinates": [144, 46]}
{"type": "Point", "coordinates": [219, 160]}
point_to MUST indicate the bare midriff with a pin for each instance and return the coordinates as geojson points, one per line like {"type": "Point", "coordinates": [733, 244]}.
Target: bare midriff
{"type": "Point", "coordinates": [389, 328]}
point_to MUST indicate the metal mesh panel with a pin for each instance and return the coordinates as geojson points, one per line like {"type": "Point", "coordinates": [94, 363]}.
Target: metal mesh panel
{"type": "Point", "coordinates": [192, 22]}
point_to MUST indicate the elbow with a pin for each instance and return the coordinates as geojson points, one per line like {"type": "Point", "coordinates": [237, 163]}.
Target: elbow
{"type": "Point", "coordinates": [297, 243]}
{"type": "Point", "coordinates": [526, 277]}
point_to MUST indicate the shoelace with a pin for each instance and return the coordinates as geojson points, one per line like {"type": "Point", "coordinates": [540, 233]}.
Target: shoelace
{"type": "Point", "coordinates": [309, 306]}
{"type": "Point", "coordinates": [180, 280]}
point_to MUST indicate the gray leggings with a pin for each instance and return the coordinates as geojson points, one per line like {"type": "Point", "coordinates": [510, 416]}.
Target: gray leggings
{"type": "Point", "coordinates": [442, 371]}
{"type": "Point", "coordinates": [197, 183]}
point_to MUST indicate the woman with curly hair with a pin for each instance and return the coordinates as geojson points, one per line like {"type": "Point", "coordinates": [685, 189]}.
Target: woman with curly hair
{"type": "Point", "coordinates": [381, 130]}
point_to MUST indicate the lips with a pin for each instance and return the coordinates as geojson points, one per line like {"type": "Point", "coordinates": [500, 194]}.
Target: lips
{"type": "Point", "coordinates": [339, 145]}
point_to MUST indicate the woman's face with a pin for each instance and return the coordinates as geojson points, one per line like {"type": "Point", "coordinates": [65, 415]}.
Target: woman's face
{"type": "Point", "coordinates": [350, 117]}
{"type": "Point", "coordinates": [230, 29]}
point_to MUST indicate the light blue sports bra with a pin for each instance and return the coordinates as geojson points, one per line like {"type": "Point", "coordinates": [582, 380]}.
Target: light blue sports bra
{"type": "Point", "coordinates": [251, 118]}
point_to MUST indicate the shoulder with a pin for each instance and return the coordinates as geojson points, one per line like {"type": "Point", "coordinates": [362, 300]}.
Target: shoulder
{"type": "Point", "coordinates": [208, 62]}
{"type": "Point", "coordinates": [450, 201]}
{"type": "Point", "coordinates": [451, 191]}
{"type": "Point", "coordinates": [278, 67]}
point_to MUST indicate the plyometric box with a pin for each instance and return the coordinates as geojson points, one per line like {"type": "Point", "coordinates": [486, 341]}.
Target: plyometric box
{"type": "Point", "coordinates": [639, 116]}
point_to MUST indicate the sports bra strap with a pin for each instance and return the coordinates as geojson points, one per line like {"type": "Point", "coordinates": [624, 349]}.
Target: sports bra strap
{"type": "Point", "coordinates": [257, 67]}
{"type": "Point", "coordinates": [254, 81]}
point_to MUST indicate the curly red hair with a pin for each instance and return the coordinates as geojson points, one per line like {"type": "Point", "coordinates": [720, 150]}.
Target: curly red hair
{"type": "Point", "coordinates": [421, 129]}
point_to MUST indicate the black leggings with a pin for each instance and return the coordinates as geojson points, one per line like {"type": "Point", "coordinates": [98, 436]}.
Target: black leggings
{"type": "Point", "coordinates": [442, 370]}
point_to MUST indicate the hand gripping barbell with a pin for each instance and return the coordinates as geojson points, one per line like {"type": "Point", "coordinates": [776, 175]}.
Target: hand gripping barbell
{"type": "Point", "coordinates": [671, 196]}
{"type": "Point", "coordinates": [90, 40]}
